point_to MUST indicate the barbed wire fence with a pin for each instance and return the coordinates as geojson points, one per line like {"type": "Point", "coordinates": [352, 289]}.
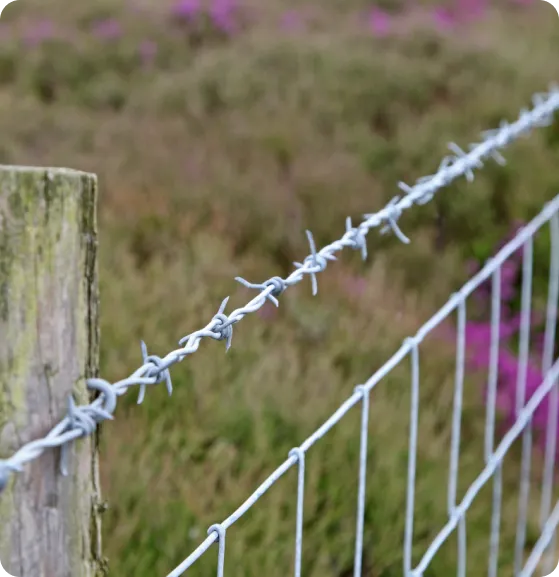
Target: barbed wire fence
{"type": "Point", "coordinates": [493, 455]}
{"type": "Point", "coordinates": [83, 420]}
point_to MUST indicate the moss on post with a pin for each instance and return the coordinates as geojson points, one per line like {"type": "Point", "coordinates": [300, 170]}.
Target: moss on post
{"type": "Point", "coordinates": [49, 339]}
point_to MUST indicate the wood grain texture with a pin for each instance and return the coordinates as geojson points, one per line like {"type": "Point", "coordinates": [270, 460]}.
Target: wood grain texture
{"type": "Point", "coordinates": [49, 338]}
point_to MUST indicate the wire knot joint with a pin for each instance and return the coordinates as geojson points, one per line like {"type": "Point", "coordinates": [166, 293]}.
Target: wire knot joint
{"type": "Point", "coordinates": [223, 330]}
{"type": "Point", "coordinates": [277, 283]}
{"type": "Point", "coordinates": [298, 453]}
{"type": "Point", "coordinates": [219, 530]}
{"type": "Point", "coordinates": [157, 371]}
{"type": "Point", "coordinates": [356, 237]}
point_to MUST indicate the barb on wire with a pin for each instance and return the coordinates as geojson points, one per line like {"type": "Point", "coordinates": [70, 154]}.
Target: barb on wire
{"type": "Point", "coordinates": [277, 283]}
{"type": "Point", "coordinates": [314, 263]}
{"type": "Point", "coordinates": [394, 212]}
{"type": "Point", "coordinates": [357, 238]}
{"type": "Point", "coordinates": [82, 421]}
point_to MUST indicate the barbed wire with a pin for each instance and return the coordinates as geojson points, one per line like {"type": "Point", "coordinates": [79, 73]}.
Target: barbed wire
{"type": "Point", "coordinates": [82, 420]}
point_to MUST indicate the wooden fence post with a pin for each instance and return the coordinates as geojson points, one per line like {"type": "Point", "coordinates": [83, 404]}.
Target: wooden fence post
{"type": "Point", "coordinates": [49, 338]}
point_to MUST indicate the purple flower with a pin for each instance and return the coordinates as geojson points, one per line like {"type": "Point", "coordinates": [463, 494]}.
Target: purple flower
{"type": "Point", "coordinates": [39, 32]}
{"type": "Point", "coordinates": [478, 341]}
{"type": "Point", "coordinates": [222, 14]}
{"type": "Point", "coordinates": [509, 275]}
{"type": "Point", "coordinates": [443, 19]}
{"type": "Point", "coordinates": [379, 22]}
{"type": "Point", "coordinates": [107, 29]}
{"type": "Point", "coordinates": [186, 9]}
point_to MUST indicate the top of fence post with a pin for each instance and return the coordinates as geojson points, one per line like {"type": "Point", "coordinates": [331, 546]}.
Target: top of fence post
{"type": "Point", "coordinates": [49, 339]}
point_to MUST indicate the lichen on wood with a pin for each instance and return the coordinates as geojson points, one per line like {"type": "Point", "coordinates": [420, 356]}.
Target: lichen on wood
{"type": "Point", "coordinates": [49, 346]}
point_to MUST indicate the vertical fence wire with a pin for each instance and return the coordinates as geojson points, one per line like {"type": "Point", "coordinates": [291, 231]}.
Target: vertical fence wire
{"type": "Point", "coordinates": [300, 455]}
{"type": "Point", "coordinates": [524, 350]}
{"type": "Point", "coordinates": [457, 409]}
{"type": "Point", "coordinates": [462, 547]}
{"type": "Point", "coordinates": [547, 361]}
{"type": "Point", "coordinates": [221, 532]}
{"type": "Point", "coordinates": [493, 375]}
{"type": "Point", "coordinates": [412, 457]}
{"type": "Point", "coordinates": [358, 562]}
{"type": "Point", "coordinates": [455, 439]}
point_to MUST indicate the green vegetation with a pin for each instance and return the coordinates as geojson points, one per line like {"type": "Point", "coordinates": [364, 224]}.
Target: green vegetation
{"type": "Point", "coordinates": [213, 158]}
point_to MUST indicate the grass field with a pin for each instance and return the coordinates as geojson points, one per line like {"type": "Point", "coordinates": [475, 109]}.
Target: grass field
{"type": "Point", "coordinates": [217, 143]}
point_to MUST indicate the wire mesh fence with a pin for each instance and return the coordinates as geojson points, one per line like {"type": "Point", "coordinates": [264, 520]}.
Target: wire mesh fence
{"type": "Point", "coordinates": [494, 453]}
{"type": "Point", "coordinates": [529, 554]}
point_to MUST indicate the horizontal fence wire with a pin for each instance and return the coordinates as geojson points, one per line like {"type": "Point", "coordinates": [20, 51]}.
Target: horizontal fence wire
{"type": "Point", "coordinates": [494, 457]}
{"type": "Point", "coordinates": [82, 420]}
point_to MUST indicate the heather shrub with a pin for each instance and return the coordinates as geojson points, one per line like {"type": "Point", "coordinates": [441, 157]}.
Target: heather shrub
{"type": "Point", "coordinates": [220, 132]}
{"type": "Point", "coordinates": [478, 332]}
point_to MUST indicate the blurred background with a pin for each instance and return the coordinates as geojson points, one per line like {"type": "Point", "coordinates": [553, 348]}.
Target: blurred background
{"type": "Point", "coordinates": [222, 129]}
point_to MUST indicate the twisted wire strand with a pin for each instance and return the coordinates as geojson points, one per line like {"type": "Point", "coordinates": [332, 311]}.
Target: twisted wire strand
{"type": "Point", "coordinates": [83, 420]}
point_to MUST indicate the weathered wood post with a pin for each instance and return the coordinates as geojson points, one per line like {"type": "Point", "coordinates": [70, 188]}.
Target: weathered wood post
{"type": "Point", "coordinates": [49, 337]}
